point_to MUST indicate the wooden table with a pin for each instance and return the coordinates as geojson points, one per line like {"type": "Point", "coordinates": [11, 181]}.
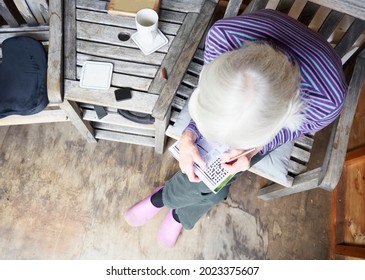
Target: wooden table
{"type": "Point", "coordinates": [91, 34]}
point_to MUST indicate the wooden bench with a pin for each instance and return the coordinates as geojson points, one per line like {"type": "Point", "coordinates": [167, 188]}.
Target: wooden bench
{"type": "Point", "coordinates": [316, 160]}
{"type": "Point", "coordinates": [43, 21]}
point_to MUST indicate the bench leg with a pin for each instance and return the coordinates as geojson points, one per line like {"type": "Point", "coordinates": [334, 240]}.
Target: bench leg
{"type": "Point", "coordinates": [75, 115]}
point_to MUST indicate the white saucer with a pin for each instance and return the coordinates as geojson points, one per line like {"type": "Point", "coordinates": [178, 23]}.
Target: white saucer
{"type": "Point", "coordinates": [159, 42]}
{"type": "Point", "coordinates": [96, 75]}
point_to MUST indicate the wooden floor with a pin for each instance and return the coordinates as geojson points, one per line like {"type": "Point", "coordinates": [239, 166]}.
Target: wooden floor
{"type": "Point", "coordinates": [61, 198]}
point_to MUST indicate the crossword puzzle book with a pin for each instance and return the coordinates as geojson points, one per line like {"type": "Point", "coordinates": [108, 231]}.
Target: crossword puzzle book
{"type": "Point", "coordinates": [215, 176]}
{"type": "Point", "coordinates": [130, 8]}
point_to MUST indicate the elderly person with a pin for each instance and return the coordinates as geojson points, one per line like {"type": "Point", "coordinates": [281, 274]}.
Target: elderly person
{"type": "Point", "coordinates": [267, 80]}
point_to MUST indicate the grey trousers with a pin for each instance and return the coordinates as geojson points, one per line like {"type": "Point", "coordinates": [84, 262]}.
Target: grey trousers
{"type": "Point", "coordinates": [190, 200]}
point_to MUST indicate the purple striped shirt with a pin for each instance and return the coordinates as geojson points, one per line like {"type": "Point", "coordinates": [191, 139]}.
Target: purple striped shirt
{"type": "Point", "coordinates": [322, 87]}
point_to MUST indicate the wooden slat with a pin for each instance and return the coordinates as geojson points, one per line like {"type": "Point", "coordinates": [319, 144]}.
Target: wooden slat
{"type": "Point", "coordinates": [45, 116]}
{"type": "Point", "coordinates": [70, 40]}
{"type": "Point", "coordinates": [302, 182]}
{"type": "Point", "coordinates": [121, 66]}
{"type": "Point", "coordinates": [308, 13]}
{"type": "Point", "coordinates": [39, 9]}
{"type": "Point", "coordinates": [125, 138]}
{"type": "Point", "coordinates": [38, 35]}
{"type": "Point", "coordinates": [350, 37]}
{"type": "Point", "coordinates": [300, 154]}
{"type": "Point", "coordinates": [55, 53]}
{"type": "Point", "coordinates": [329, 25]}
{"type": "Point", "coordinates": [109, 35]}
{"type": "Point", "coordinates": [304, 141]}
{"type": "Point", "coordinates": [167, 94]}
{"type": "Point", "coordinates": [114, 119]}
{"type": "Point", "coordinates": [354, 8]}
{"type": "Point", "coordinates": [140, 101]}
{"type": "Point", "coordinates": [168, 28]}
{"type": "Point", "coordinates": [122, 80]}
{"type": "Point", "coordinates": [25, 11]}
{"type": "Point", "coordinates": [334, 162]}
{"type": "Point", "coordinates": [175, 50]}
{"type": "Point", "coordinates": [284, 6]}
{"type": "Point", "coordinates": [6, 15]}
{"type": "Point", "coordinates": [123, 129]}
{"type": "Point", "coordinates": [296, 167]}
{"type": "Point", "coordinates": [255, 5]}
{"type": "Point", "coordinates": [232, 8]}
{"type": "Point", "coordinates": [117, 52]}
{"type": "Point", "coordinates": [187, 6]}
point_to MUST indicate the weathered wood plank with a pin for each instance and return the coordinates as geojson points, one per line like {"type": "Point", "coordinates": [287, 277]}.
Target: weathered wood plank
{"type": "Point", "coordinates": [167, 94]}
{"type": "Point", "coordinates": [7, 15]}
{"type": "Point", "coordinates": [125, 22]}
{"type": "Point", "coordinates": [140, 101]}
{"type": "Point", "coordinates": [308, 13]}
{"type": "Point", "coordinates": [109, 35]}
{"type": "Point", "coordinates": [337, 148]}
{"type": "Point", "coordinates": [119, 123]}
{"type": "Point", "coordinates": [169, 62]}
{"type": "Point", "coordinates": [55, 53]}
{"type": "Point", "coordinates": [123, 80]}
{"type": "Point", "coordinates": [352, 34]}
{"type": "Point", "coordinates": [45, 116]}
{"type": "Point", "coordinates": [38, 35]}
{"type": "Point", "coordinates": [182, 6]}
{"type": "Point", "coordinates": [330, 23]}
{"type": "Point", "coordinates": [70, 40]}
{"type": "Point", "coordinates": [25, 12]}
{"type": "Point", "coordinates": [354, 8]}
{"type": "Point", "coordinates": [121, 66]}
{"type": "Point", "coordinates": [232, 8]}
{"type": "Point", "coordinates": [125, 138]}
{"type": "Point", "coordinates": [123, 129]}
{"type": "Point", "coordinates": [39, 9]}
{"type": "Point", "coordinates": [303, 182]}
{"type": "Point", "coordinates": [117, 52]}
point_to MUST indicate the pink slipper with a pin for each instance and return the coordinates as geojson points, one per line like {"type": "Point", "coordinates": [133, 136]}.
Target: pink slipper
{"type": "Point", "coordinates": [143, 211]}
{"type": "Point", "coordinates": [169, 231]}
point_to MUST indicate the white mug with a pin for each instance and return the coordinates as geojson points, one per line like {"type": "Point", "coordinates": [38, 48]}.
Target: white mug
{"type": "Point", "coordinates": [147, 24]}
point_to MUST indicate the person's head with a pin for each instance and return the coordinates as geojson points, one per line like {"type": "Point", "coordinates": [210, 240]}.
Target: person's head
{"type": "Point", "coordinates": [245, 97]}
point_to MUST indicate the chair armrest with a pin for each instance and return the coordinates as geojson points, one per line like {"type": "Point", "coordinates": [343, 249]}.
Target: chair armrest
{"type": "Point", "coordinates": [55, 52]}
{"type": "Point", "coordinates": [337, 147]}
{"type": "Point", "coordinates": [167, 94]}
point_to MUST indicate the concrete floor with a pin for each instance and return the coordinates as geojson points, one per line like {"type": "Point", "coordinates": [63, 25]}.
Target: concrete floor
{"type": "Point", "coordinates": [61, 198]}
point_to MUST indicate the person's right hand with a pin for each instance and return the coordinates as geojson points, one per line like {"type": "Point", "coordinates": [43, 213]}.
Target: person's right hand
{"type": "Point", "coordinates": [188, 155]}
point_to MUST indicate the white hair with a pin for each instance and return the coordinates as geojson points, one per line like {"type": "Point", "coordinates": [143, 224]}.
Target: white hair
{"type": "Point", "coordinates": [246, 96]}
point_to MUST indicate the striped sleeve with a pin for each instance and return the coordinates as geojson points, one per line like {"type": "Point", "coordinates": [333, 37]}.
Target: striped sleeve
{"type": "Point", "coordinates": [323, 86]}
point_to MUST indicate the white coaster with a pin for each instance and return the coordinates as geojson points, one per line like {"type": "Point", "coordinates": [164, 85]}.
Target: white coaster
{"type": "Point", "coordinates": [96, 75]}
{"type": "Point", "coordinates": [159, 42]}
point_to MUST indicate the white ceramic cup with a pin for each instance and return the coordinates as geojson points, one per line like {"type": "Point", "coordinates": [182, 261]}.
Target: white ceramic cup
{"type": "Point", "coordinates": [147, 24]}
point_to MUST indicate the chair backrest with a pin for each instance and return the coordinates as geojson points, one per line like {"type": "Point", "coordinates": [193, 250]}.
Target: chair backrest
{"type": "Point", "coordinates": [342, 23]}
{"type": "Point", "coordinates": [30, 17]}
{"type": "Point", "coordinates": [41, 20]}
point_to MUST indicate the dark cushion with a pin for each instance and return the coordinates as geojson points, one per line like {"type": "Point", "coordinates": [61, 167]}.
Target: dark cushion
{"type": "Point", "coordinates": [23, 77]}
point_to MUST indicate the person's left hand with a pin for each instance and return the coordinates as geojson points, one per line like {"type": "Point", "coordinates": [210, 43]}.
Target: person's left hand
{"type": "Point", "coordinates": [238, 165]}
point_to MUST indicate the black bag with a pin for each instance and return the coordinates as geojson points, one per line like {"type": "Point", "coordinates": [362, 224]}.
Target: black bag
{"type": "Point", "coordinates": [23, 77]}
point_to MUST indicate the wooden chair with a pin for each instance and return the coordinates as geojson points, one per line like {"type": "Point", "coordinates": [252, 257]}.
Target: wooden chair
{"type": "Point", "coordinates": [311, 165]}
{"type": "Point", "coordinates": [43, 21]}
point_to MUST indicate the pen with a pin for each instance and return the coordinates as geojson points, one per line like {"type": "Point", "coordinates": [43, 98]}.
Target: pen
{"type": "Point", "coordinates": [231, 160]}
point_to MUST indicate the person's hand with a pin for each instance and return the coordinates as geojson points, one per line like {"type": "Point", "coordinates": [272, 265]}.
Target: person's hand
{"type": "Point", "coordinates": [242, 163]}
{"type": "Point", "coordinates": [188, 155]}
